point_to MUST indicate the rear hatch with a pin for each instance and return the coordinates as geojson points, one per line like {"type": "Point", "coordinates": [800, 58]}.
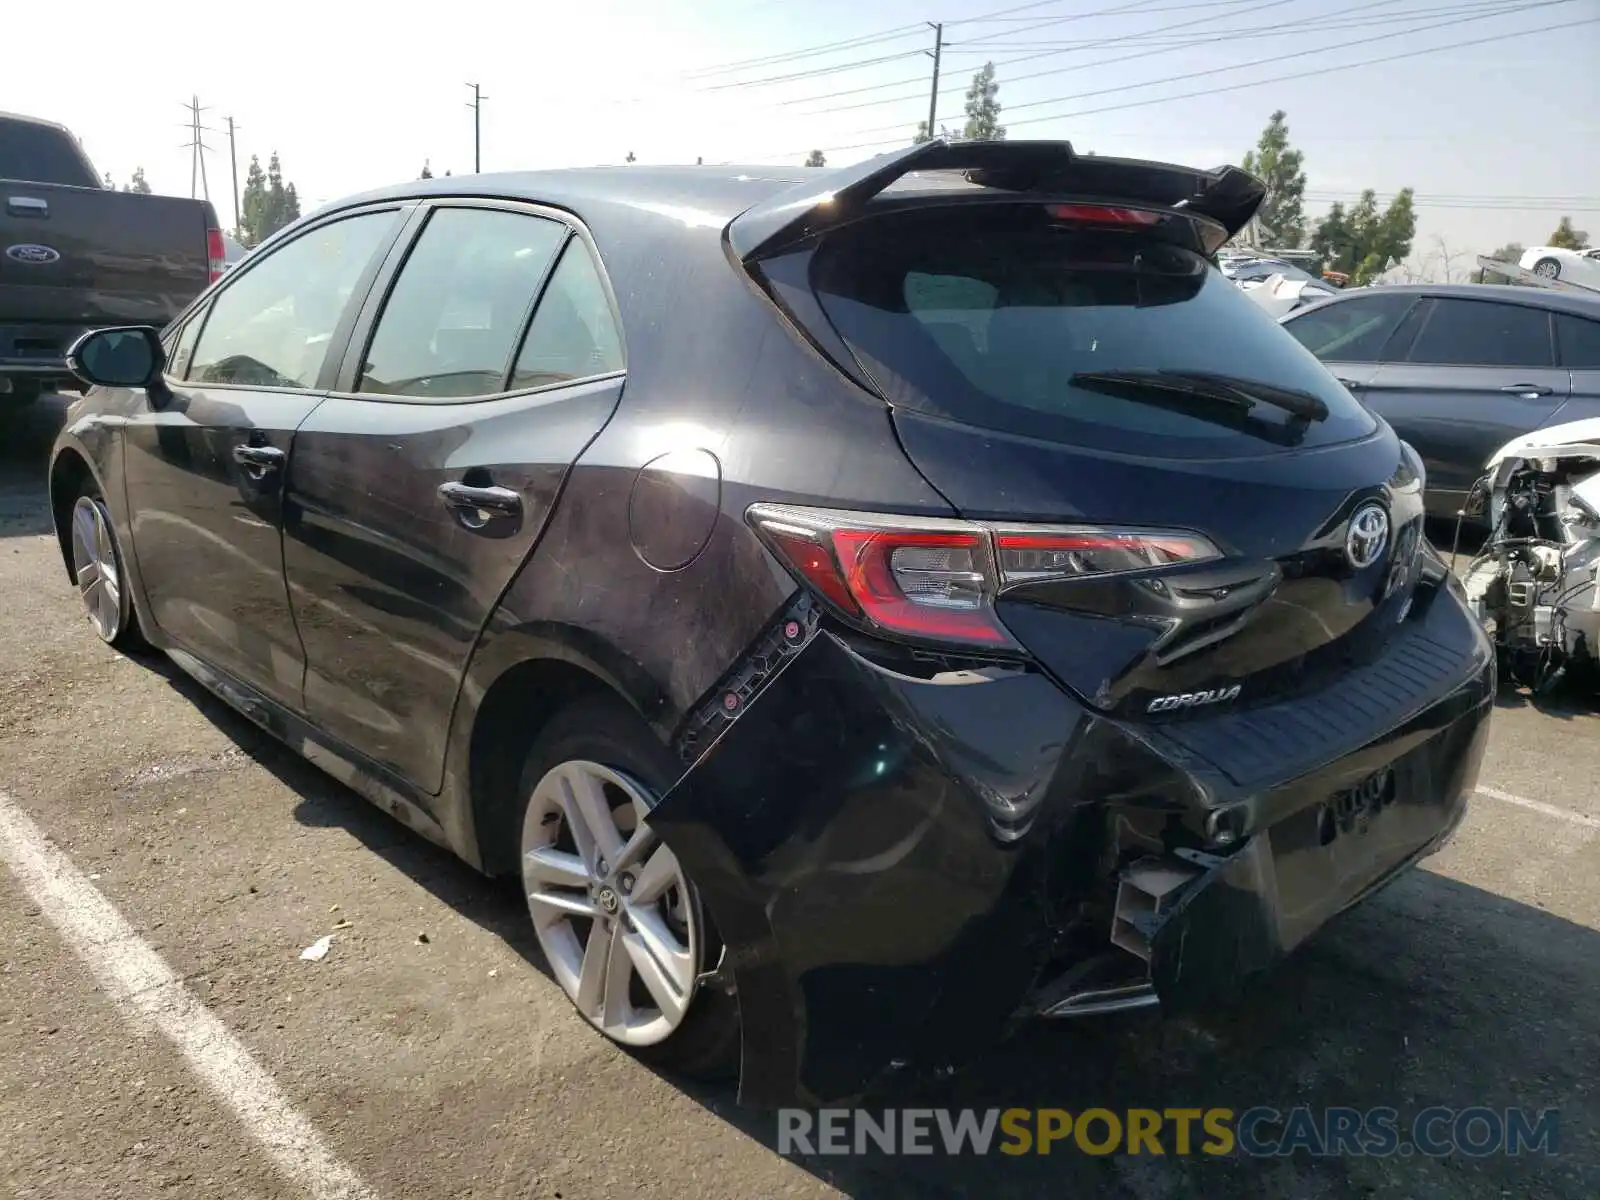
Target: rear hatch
{"type": "Point", "coordinates": [1187, 510]}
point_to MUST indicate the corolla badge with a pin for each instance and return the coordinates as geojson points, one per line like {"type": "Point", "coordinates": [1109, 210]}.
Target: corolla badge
{"type": "Point", "coordinates": [31, 252]}
{"type": "Point", "coordinates": [1369, 534]}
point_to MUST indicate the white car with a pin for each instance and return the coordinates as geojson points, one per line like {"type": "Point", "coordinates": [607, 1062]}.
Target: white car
{"type": "Point", "coordinates": [1571, 266]}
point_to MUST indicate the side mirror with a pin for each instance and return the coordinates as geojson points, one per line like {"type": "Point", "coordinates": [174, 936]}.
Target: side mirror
{"type": "Point", "coordinates": [129, 356]}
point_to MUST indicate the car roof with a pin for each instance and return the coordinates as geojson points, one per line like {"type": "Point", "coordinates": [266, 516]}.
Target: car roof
{"type": "Point", "coordinates": [697, 196]}
{"type": "Point", "coordinates": [1536, 297]}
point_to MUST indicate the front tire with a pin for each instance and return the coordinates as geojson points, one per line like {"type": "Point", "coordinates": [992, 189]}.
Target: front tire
{"type": "Point", "coordinates": [1548, 268]}
{"type": "Point", "coordinates": [618, 919]}
{"type": "Point", "coordinates": [98, 568]}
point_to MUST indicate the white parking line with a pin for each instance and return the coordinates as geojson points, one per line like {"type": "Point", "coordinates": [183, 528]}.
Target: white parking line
{"type": "Point", "coordinates": [1539, 806]}
{"type": "Point", "coordinates": [140, 982]}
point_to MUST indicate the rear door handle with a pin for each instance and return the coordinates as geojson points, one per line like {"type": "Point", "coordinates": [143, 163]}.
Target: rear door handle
{"type": "Point", "coordinates": [1351, 384]}
{"type": "Point", "coordinates": [261, 458]}
{"type": "Point", "coordinates": [475, 505]}
{"type": "Point", "coordinates": [1528, 391]}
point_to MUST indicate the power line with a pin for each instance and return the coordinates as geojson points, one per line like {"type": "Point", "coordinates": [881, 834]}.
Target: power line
{"type": "Point", "coordinates": [769, 60]}
{"type": "Point", "coordinates": [877, 87]}
{"type": "Point", "coordinates": [1327, 21]}
{"type": "Point", "coordinates": [1257, 62]}
{"type": "Point", "coordinates": [1236, 87]}
{"type": "Point", "coordinates": [813, 72]}
{"type": "Point", "coordinates": [899, 34]}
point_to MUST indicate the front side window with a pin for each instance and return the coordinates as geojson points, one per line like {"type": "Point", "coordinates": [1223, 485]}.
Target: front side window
{"type": "Point", "coordinates": [181, 352]}
{"type": "Point", "coordinates": [1480, 333]}
{"type": "Point", "coordinates": [1354, 330]}
{"type": "Point", "coordinates": [453, 318]}
{"type": "Point", "coordinates": [272, 326]}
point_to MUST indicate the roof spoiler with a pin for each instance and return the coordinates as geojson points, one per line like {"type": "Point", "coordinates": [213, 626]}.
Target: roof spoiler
{"type": "Point", "coordinates": [1226, 196]}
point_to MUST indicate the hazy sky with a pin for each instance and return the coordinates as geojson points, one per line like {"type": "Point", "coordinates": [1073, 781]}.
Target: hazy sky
{"type": "Point", "coordinates": [1498, 139]}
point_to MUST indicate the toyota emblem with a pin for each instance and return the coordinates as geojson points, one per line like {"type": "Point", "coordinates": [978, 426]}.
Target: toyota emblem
{"type": "Point", "coordinates": [1369, 534]}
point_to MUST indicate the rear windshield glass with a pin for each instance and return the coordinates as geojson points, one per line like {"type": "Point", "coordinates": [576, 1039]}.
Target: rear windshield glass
{"type": "Point", "coordinates": [41, 154]}
{"type": "Point", "coordinates": [1013, 320]}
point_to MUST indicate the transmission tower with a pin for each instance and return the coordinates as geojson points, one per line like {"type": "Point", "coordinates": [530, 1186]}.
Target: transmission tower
{"type": "Point", "coordinates": [198, 187]}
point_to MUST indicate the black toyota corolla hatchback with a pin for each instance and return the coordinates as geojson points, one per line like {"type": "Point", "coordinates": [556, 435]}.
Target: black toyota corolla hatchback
{"type": "Point", "coordinates": [865, 609]}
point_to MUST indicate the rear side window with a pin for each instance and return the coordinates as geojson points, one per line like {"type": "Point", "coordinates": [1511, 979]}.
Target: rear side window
{"type": "Point", "coordinates": [42, 154]}
{"type": "Point", "coordinates": [1009, 319]}
{"type": "Point", "coordinates": [454, 315]}
{"type": "Point", "coordinates": [1353, 330]}
{"type": "Point", "coordinates": [574, 335]}
{"type": "Point", "coordinates": [1480, 333]}
{"type": "Point", "coordinates": [1580, 342]}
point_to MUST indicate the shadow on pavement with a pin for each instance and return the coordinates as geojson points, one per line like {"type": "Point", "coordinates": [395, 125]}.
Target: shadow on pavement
{"type": "Point", "coordinates": [1433, 993]}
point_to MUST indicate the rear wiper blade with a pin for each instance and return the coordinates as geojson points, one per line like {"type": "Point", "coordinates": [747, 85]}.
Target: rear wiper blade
{"type": "Point", "coordinates": [1245, 393]}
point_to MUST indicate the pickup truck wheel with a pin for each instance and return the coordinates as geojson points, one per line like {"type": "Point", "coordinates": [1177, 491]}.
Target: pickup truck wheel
{"type": "Point", "coordinates": [620, 922]}
{"type": "Point", "coordinates": [21, 394]}
{"type": "Point", "coordinates": [97, 565]}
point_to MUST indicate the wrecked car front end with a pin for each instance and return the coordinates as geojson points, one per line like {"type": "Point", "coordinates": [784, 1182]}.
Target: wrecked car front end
{"type": "Point", "coordinates": [904, 861]}
{"type": "Point", "coordinates": [1535, 584]}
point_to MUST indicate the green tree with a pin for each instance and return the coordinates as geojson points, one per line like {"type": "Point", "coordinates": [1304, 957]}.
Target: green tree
{"type": "Point", "coordinates": [816, 159]}
{"type": "Point", "coordinates": [110, 183]}
{"type": "Point", "coordinates": [1364, 242]}
{"type": "Point", "coordinates": [1281, 169]}
{"type": "Point", "coordinates": [983, 108]}
{"type": "Point", "coordinates": [922, 134]}
{"type": "Point", "coordinates": [1567, 238]}
{"type": "Point", "coordinates": [427, 172]}
{"type": "Point", "coordinates": [631, 157]}
{"type": "Point", "coordinates": [267, 203]}
{"type": "Point", "coordinates": [137, 184]}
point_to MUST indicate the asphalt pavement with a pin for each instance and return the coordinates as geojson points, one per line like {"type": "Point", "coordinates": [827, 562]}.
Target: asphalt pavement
{"type": "Point", "coordinates": [429, 1055]}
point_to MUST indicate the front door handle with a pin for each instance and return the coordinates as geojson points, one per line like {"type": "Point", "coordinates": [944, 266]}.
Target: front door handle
{"type": "Point", "coordinates": [476, 505]}
{"type": "Point", "coordinates": [1528, 391]}
{"type": "Point", "coordinates": [260, 459]}
{"type": "Point", "coordinates": [1351, 384]}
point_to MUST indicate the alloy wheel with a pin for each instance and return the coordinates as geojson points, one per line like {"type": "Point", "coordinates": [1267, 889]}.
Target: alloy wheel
{"type": "Point", "coordinates": [94, 562]}
{"type": "Point", "coordinates": [1548, 269]}
{"type": "Point", "coordinates": [612, 909]}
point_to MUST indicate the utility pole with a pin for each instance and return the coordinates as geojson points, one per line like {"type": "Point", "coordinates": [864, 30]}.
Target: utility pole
{"type": "Point", "coordinates": [197, 148]}
{"type": "Point", "coordinates": [233, 162]}
{"type": "Point", "coordinates": [933, 97]}
{"type": "Point", "coordinates": [477, 137]}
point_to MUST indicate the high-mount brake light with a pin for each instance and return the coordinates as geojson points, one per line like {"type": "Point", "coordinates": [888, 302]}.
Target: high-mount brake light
{"type": "Point", "coordinates": [936, 579]}
{"type": "Point", "coordinates": [1104, 214]}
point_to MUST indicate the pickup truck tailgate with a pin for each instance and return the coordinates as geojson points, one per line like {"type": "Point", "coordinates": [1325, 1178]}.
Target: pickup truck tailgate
{"type": "Point", "coordinates": [118, 257]}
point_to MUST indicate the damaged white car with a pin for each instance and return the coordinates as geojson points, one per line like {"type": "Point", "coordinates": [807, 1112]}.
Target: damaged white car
{"type": "Point", "coordinates": [1534, 582]}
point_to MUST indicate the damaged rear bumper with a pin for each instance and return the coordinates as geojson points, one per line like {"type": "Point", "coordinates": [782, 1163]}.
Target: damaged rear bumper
{"type": "Point", "coordinates": [900, 866]}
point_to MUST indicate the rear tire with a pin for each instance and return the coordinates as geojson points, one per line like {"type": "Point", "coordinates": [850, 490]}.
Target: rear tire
{"type": "Point", "coordinates": [639, 912]}
{"type": "Point", "coordinates": [1549, 268]}
{"type": "Point", "coordinates": [99, 568]}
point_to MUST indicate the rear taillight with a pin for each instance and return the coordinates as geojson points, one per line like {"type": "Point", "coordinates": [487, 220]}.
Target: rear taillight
{"type": "Point", "coordinates": [217, 253]}
{"type": "Point", "coordinates": [935, 579]}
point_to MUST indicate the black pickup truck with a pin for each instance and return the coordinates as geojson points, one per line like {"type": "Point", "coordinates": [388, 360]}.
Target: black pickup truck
{"type": "Point", "coordinates": [75, 255]}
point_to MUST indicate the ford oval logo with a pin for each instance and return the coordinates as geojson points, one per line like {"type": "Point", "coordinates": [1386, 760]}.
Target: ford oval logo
{"type": "Point", "coordinates": [30, 252]}
{"type": "Point", "coordinates": [1369, 534]}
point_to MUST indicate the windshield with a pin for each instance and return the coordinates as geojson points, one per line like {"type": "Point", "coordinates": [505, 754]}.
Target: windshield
{"type": "Point", "coordinates": [985, 317]}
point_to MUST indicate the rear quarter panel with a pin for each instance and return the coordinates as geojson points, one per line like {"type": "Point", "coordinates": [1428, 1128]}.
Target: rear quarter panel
{"type": "Point", "coordinates": [647, 571]}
